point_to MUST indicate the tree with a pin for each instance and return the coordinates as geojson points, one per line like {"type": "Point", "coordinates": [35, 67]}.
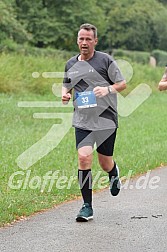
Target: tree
{"type": "Point", "coordinates": [160, 24]}
{"type": "Point", "coordinates": [126, 24]}
{"type": "Point", "coordinates": [55, 23]}
{"type": "Point", "coordinates": [10, 27]}
{"type": "Point", "coordinates": [131, 26]}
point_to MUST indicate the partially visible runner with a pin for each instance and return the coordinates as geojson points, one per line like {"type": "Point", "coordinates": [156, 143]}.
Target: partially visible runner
{"type": "Point", "coordinates": [93, 78]}
{"type": "Point", "coordinates": [163, 82]}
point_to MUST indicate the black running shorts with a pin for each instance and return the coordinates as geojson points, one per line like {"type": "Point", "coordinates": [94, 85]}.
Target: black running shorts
{"type": "Point", "coordinates": [104, 139]}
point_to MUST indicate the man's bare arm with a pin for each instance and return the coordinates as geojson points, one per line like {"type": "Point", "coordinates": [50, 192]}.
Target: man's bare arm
{"type": "Point", "coordinates": [162, 85]}
{"type": "Point", "coordinates": [66, 95]}
{"type": "Point", "coordinates": [116, 87]}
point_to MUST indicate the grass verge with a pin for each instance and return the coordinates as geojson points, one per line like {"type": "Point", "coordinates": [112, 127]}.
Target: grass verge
{"type": "Point", "coordinates": [141, 145]}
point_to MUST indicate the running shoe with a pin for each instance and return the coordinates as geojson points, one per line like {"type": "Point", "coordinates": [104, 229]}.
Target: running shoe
{"type": "Point", "coordinates": [115, 183]}
{"type": "Point", "coordinates": [85, 213]}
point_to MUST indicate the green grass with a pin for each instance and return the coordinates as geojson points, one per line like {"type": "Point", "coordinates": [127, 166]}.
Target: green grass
{"type": "Point", "coordinates": [141, 141]}
{"type": "Point", "coordinates": [141, 145]}
{"type": "Point", "coordinates": [16, 73]}
{"type": "Point", "coordinates": [142, 136]}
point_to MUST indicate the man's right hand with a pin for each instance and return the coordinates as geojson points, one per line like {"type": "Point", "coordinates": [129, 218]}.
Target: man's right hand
{"type": "Point", "coordinates": [65, 98]}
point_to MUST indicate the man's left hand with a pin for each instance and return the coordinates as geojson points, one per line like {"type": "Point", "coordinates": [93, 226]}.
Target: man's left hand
{"type": "Point", "coordinates": [100, 91]}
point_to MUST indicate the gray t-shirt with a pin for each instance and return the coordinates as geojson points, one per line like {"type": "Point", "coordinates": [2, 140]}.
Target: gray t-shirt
{"type": "Point", "coordinates": [81, 76]}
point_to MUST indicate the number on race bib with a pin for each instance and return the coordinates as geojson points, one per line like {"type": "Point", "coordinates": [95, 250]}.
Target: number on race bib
{"type": "Point", "coordinates": [86, 99]}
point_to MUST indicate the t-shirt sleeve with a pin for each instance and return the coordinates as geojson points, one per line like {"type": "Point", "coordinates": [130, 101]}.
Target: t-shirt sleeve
{"type": "Point", "coordinates": [114, 72]}
{"type": "Point", "coordinates": [66, 80]}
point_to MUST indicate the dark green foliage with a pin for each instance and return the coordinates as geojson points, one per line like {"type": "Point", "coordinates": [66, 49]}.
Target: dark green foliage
{"type": "Point", "coordinates": [128, 24]}
{"type": "Point", "coordinates": [10, 27]}
{"type": "Point", "coordinates": [55, 23]}
{"type": "Point", "coordinates": [132, 25]}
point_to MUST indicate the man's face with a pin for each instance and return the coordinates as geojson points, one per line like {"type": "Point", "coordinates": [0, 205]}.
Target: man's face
{"type": "Point", "coordinates": [86, 41]}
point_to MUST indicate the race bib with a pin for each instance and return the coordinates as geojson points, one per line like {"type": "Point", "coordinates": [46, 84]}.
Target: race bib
{"type": "Point", "coordinates": [86, 99]}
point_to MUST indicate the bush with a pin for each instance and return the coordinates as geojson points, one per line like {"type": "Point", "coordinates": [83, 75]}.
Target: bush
{"type": "Point", "coordinates": [135, 56]}
{"type": "Point", "coordinates": [160, 56]}
{"type": "Point", "coordinates": [8, 46]}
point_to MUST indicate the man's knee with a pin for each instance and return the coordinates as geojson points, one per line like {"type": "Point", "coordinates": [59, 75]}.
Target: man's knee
{"type": "Point", "coordinates": [85, 160]}
{"type": "Point", "coordinates": [106, 162]}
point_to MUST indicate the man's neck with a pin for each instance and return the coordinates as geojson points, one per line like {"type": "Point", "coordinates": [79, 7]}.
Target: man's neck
{"type": "Point", "coordinates": [85, 57]}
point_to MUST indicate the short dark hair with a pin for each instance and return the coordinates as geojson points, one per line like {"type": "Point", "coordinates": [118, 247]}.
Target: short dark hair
{"type": "Point", "coordinates": [89, 27]}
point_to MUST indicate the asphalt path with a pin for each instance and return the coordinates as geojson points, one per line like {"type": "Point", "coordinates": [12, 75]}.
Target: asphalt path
{"type": "Point", "coordinates": [134, 221]}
